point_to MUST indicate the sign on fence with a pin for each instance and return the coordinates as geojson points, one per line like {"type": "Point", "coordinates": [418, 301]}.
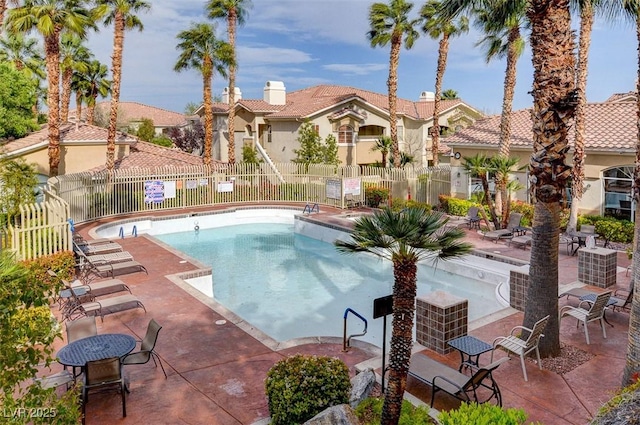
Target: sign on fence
{"type": "Point", "coordinates": [153, 192]}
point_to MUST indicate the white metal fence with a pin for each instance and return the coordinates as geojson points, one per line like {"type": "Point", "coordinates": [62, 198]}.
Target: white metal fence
{"type": "Point", "coordinates": [93, 195]}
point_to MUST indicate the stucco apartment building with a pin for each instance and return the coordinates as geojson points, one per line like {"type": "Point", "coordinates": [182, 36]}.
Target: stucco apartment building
{"type": "Point", "coordinates": [610, 146]}
{"type": "Point", "coordinates": [355, 117]}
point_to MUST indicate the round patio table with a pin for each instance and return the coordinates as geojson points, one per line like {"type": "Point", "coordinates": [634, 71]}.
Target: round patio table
{"type": "Point", "coordinates": [96, 347]}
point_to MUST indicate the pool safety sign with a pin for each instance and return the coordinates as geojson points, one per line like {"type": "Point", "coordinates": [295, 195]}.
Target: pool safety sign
{"type": "Point", "coordinates": [153, 192]}
{"type": "Point", "coordinates": [226, 186]}
{"type": "Point", "coordinates": [351, 186]}
{"type": "Point", "coordinates": [333, 189]}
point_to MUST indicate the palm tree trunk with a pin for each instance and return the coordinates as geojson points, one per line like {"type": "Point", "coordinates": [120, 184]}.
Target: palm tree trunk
{"type": "Point", "coordinates": [404, 297]}
{"type": "Point", "coordinates": [91, 109]}
{"type": "Point", "coordinates": [66, 95]}
{"type": "Point", "coordinates": [118, 45]}
{"type": "Point", "coordinates": [392, 84]}
{"type": "Point", "coordinates": [231, 24]}
{"type": "Point", "coordinates": [207, 73]}
{"type": "Point", "coordinates": [554, 102]}
{"type": "Point", "coordinates": [78, 107]}
{"type": "Point", "coordinates": [505, 121]}
{"type": "Point", "coordinates": [577, 173]}
{"type": "Point", "coordinates": [52, 53]}
{"type": "Point", "coordinates": [3, 8]}
{"type": "Point", "coordinates": [632, 365]}
{"type": "Point", "coordinates": [443, 50]}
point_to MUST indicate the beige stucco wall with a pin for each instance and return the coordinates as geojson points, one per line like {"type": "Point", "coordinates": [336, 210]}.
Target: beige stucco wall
{"type": "Point", "coordinates": [74, 158]}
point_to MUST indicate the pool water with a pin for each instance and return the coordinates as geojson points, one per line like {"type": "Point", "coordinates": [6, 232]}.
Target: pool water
{"type": "Point", "coordinates": [290, 286]}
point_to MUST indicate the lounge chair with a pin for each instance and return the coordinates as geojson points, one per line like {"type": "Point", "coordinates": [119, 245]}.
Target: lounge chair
{"type": "Point", "coordinates": [514, 221]}
{"type": "Point", "coordinates": [114, 257]}
{"type": "Point", "coordinates": [463, 387]}
{"type": "Point", "coordinates": [101, 248]}
{"type": "Point", "coordinates": [516, 344]}
{"type": "Point", "coordinates": [147, 347]}
{"type": "Point", "coordinates": [351, 202]}
{"type": "Point", "coordinates": [104, 373]}
{"type": "Point", "coordinates": [621, 300]}
{"type": "Point", "coordinates": [521, 241]}
{"type": "Point", "coordinates": [94, 307]}
{"type": "Point", "coordinates": [106, 269]}
{"type": "Point", "coordinates": [472, 218]}
{"type": "Point", "coordinates": [594, 313]}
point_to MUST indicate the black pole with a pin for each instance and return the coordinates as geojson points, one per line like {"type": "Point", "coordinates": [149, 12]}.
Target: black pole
{"type": "Point", "coordinates": [384, 346]}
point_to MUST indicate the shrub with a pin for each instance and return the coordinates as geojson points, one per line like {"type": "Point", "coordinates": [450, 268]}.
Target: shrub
{"type": "Point", "coordinates": [610, 228]}
{"type": "Point", "coordinates": [455, 206]}
{"type": "Point", "coordinates": [370, 411]}
{"type": "Point", "coordinates": [525, 209]}
{"type": "Point", "coordinates": [375, 195]}
{"type": "Point", "coordinates": [300, 387]}
{"type": "Point", "coordinates": [482, 414]}
{"type": "Point", "coordinates": [62, 263]}
{"type": "Point", "coordinates": [400, 204]}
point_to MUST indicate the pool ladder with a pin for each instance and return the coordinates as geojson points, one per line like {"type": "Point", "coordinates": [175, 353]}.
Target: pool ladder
{"type": "Point", "coordinates": [346, 341]}
{"type": "Point", "coordinates": [311, 208]}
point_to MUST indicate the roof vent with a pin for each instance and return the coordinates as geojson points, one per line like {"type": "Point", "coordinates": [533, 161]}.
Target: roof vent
{"type": "Point", "coordinates": [427, 96]}
{"type": "Point", "coordinates": [225, 94]}
{"type": "Point", "coordinates": [275, 93]}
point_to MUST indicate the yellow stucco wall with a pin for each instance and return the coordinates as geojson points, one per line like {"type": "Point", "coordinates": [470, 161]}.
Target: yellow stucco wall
{"type": "Point", "coordinates": [74, 158]}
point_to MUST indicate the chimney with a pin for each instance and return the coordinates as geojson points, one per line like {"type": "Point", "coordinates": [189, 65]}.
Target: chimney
{"type": "Point", "coordinates": [275, 93]}
{"type": "Point", "coordinates": [225, 94]}
{"type": "Point", "coordinates": [427, 96]}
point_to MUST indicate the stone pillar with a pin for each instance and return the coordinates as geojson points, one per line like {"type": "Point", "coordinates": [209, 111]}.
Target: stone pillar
{"type": "Point", "coordinates": [518, 283]}
{"type": "Point", "coordinates": [440, 317]}
{"type": "Point", "coordinates": [597, 266]}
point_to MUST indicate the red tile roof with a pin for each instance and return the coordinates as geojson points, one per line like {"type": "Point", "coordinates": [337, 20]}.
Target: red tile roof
{"type": "Point", "coordinates": [148, 155]}
{"type": "Point", "coordinates": [622, 97]}
{"type": "Point", "coordinates": [134, 111]}
{"type": "Point", "coordinates": [610, 126]}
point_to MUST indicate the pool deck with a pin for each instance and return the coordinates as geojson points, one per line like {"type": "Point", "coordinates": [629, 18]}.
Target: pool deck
{"type": "Point", "coordinates": [216, 371]}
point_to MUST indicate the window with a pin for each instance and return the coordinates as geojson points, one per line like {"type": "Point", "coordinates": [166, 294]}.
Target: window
{"type": "Point", "coordinates": [345, 135]}
{"type": "Point", "coordinates": [269, 133]}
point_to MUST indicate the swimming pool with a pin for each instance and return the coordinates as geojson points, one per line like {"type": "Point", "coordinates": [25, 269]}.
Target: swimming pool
{"type": "Point", "coordinates": [290, 285]}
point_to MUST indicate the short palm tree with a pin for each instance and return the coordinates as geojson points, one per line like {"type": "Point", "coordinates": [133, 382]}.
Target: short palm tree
{"type": "Point", "coordinates": [450, 94]}
{"type": "Point", "coordinates": [390, 23]}
{"type": "Point", "coordinates": [97, 84]}
{"type": "Point", "coordinates": [502, 167]}
{"type": "Point", "coordinates": [437, 26]}
{"type": "Point", "coordinates": [203, 51]}
{"type": "Point", "coordinates": [122, 13]}
{"type": "Point", "coordinates": [479, 166]}
{"type": "Point", "coordinates": [50, 18]}
{"type": "Point", "coordinates": [403, 237]}
{"type": "Point", "coordinates": [235, 12]}
{"type": "Point", "coordinates": [74, 57]}
{"type": "Point", "coordinates": [383, 145]}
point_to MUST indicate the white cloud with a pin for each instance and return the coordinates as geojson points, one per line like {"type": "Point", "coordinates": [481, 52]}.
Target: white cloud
{"type": "Point", "coordinates": [356, 68]}
{"type": "Point", "coordinates": [259, 55]}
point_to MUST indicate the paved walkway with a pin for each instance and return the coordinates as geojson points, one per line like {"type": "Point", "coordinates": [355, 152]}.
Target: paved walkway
{"type": "Point", "coordinates": [217, 364]}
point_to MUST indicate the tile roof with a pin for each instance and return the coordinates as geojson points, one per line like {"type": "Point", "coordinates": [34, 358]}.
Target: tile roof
{"type": "Point", "coordinates": [311, 100]}
{"type": "Point", "coordinates": [622, 97]}
{"type": "Point", "coordinates": [148, 155]}
{"type": "Point", "coordinates": [134, 111]}
{"type": "Point", "coordinates": [68, 133]}
{"type": "Point", "coordinates": [611, 126]}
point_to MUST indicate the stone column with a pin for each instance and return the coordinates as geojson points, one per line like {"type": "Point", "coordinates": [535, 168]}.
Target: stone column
{"type": "Point", "coordinates": [440, 317]}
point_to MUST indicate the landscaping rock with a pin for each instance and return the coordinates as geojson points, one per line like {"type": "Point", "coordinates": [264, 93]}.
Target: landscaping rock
{"type": "Point", "coordinates": [361, 386]}
{"type": "Point", "coordinates": [342, 414]}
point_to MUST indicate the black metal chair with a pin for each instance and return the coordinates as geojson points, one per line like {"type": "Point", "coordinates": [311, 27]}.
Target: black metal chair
{"type": "Point", "coordinates": [104, 374]}
{"type": "Point", "coordinates": [147, 347]}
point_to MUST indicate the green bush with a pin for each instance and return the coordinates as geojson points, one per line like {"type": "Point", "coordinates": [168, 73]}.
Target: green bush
{"type": "Point", "coordinates": [455, 206]}
{"type": "Point", "coordinates": [375, 195]}
{"type": "Point", "coordinates": [370, 411]}
{"type": "Point", "coordinates": [525, 209]}
{"type": "Point", "coordinates": [62, 263]}
{"type": "Point", "coordinates": [482, 414]}
{"type": "Point", "coordinates": [400, 204]}
{"type": "Point", "coordinates": [300, 387]}
{"type": "Point", "coordinates": [609, 228]}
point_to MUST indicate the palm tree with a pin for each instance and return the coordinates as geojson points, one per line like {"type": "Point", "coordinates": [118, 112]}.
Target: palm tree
{"type": "Point", "coordinates": [389, 23]}
{"type": "Point", "coordinates": [50, 18]}
{"type": "Point", "coordinates": [74, 57]}
{"type": "Point", "coordinates": [235, 12]}
{"type": "Point", "coordinates": [450, 94]}
{"type": "Point", "coordinates": [437, 27]}
{"type": "Point", "coordinates": [403, 237]}
{"type": "Point", "coordinates": [502, 166]}
{"type": "Point", "coordinates": [502, 23]}
{"type": "Point", "coordinates": [554, 103]}
{"type": "Point", "coordinates": [479, 166]}
{"type": "Point", "coordinates": [383, 145]}
{"type": "Point", "coordinates": [202, 51]}
{"type": "Point", "coordinates": [577, 173]}
{"type": "Point", "coordinates": [122, 13]}
{"type": "Point", "coordinates": [3, 9]}
{"type": "Point", "coordinates": [97, 85]}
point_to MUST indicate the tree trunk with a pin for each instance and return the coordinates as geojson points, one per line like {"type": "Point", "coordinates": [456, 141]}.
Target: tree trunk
{"type": "Point", "coordinates": [118, 45]}
{"type": "Point", "coordinates": [404, 297]}
{"type": "Point", "coordinates": [207, 73]}
{"type": "Point", "coordinates": [554, 102]}
{"type": "Point", "coordinates": [52, 54]}
{"type": "Point", "coordinates": [91, 109]}
{"type": "Point", "coordinates": [392, 84]}
{"type": "Point", "coordinates": [231, 23]}
{"type": "Point", "coordinates": [3, 8]}
{"type": "Point", "coordinates": [632, 365]}
{"type": "Point", "coordinates": [78, 107]}
{"type": "Point", "coordinates": [577, 173]}
{"type": "Point", "coordinates": [443, 50]}
{"type": "Point", "coordinates": [66, 95]}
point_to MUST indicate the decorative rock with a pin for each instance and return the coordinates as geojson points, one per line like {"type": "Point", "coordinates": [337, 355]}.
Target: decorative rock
{"type": "Point", "coordinates": [342, 414]}
{"type": "Point", "coordinates": [361, 386]}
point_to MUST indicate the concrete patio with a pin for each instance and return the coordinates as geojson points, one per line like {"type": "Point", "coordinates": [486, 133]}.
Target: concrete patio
{"type": "Point", "coordinates": [216, 367]}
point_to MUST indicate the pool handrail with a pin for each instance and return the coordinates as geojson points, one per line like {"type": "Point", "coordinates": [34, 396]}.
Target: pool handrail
{"type": "Point", "coordinates": [346, 341]}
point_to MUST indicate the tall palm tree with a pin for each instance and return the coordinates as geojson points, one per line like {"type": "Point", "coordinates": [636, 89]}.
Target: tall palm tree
{"type": "Point", "coordinates": [403, 237]}
{"type": "Point", "coordinates": [202, 51]}
{"type": "Point", "coordinates": [74, 56]}
{"type": "Point", "coordinates": [444, 28]}
{"type": "Point", "coordinates": [502, 23]}
{"type": "Point", "coordinates": [122, 13]}
{"type": "Point", "coordinates": [235, 12]}
{"type": "Point", "coordinates": [479, 166]}
{"type": "Point", "coordinates": [554, 103]}
{"type": "Point", "coordinates": [389, 23]}
{"type": "Point", "coordinates": [50, 18]}
{"type": "Point", "coordinates": [631, 9]}
{"type": "Point", "coordinates": [383, 145]}
{"type": "Point", "coordinates": [98, 85]}
{"type": "Point", "coordinates": [3, 9]}
{"type": "Point", "coordinates": [587, 9]}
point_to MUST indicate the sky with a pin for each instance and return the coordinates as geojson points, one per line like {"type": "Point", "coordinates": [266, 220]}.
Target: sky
{"type": "Point", "coordinates": [312, 42]}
